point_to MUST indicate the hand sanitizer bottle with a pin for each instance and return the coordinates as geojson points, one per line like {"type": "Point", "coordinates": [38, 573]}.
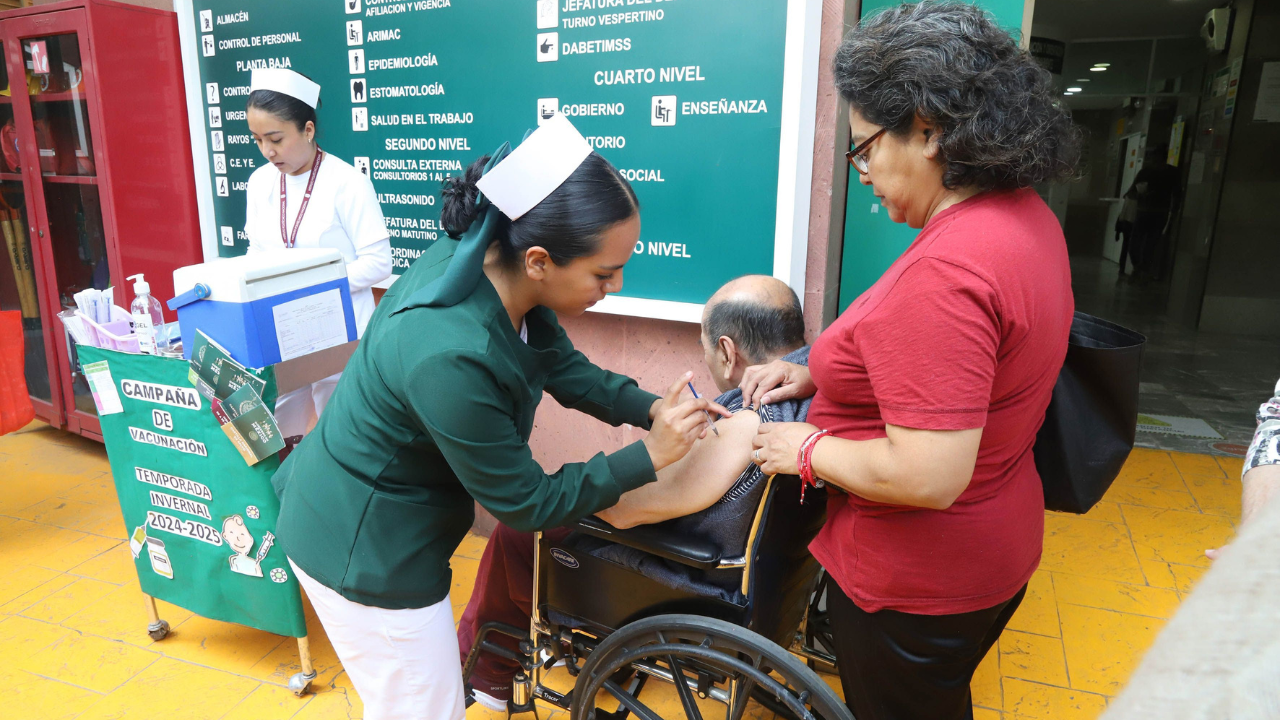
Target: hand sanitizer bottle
{"type": "Point", "coordinates": [148, 318]}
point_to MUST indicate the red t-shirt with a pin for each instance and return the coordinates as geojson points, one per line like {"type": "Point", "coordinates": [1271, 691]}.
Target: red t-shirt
{"type": "Point", "coordinates": [968, 329]}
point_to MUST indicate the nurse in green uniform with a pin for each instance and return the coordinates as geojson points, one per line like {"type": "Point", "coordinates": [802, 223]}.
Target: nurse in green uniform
{"type": "Point", "coordinates": [437, 405]}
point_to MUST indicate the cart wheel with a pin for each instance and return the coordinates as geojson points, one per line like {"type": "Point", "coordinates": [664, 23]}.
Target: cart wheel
{"type": "Point", "coordinates": [158, 630]}
{"type": "Point", "coordinates": [300, 682]}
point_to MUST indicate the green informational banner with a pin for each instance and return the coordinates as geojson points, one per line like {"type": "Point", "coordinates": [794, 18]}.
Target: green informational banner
{"type": "Point", "coordinates": [201, 522]}
{"type": "Point", "coordinates": [706, 107]}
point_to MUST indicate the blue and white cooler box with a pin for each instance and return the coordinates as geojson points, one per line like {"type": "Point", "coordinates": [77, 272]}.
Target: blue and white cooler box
{"type": "Point", "coordinates": [267, 307]}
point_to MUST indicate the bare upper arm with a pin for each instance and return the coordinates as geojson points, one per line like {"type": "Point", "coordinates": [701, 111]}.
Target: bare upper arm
{"type": "Point", "coordinates": [693, 483]}
{"type": "Point", "coordinates": [943, 459]}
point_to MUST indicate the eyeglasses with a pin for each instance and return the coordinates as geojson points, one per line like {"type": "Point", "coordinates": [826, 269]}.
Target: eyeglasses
{"type": "Point", "coordinates": [858, 156]}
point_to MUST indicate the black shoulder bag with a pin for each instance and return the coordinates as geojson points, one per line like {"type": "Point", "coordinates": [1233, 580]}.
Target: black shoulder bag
{"type": "Point", "coordinates": [1092, 420]}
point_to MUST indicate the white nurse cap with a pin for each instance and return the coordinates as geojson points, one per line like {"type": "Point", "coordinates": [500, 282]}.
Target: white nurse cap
{"type": "Point", "coordinates": [287, 82]}
{"type": "Point", "coordinates": [536, 168]}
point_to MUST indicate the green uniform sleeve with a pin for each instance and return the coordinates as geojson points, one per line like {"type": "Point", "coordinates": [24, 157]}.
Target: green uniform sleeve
{"type": "Point", "coordinates": [469, 413]}
{"type": "Point", "coordinates": [578, 384]}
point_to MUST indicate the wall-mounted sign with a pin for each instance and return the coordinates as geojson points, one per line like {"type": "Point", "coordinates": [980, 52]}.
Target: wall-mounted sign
{"type": "Point", "coordinates": [1049, 53]}
{"type": "Point", "coordinates": [705, 106]}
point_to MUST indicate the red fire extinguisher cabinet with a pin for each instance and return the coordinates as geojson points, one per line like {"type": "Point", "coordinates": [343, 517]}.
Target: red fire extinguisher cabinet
{"type": "Point", "coordinates": [96, 177]}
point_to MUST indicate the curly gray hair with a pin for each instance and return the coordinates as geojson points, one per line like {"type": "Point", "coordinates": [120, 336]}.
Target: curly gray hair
{"type": "Point", "coordinates": [1002, 123]}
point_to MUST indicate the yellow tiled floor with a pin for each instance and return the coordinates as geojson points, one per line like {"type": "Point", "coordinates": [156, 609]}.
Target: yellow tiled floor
{"type": "Point", "coordinates": [72, 623]}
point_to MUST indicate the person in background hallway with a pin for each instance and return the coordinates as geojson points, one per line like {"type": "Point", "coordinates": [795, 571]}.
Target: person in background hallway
{"type": "Point", "coordinates": [1155, 189]}
{"type": "Point", "coordinates": [931, 386]}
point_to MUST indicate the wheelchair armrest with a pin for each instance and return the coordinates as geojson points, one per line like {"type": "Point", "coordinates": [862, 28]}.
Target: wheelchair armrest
{"type": "Point", "coordinates": [652, 539]}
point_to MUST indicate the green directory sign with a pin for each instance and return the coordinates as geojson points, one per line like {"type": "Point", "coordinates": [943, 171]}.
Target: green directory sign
{"type": "Point", "coordinates": [201, 521]}
{"type": "Point", "coordinates": [706, 106]}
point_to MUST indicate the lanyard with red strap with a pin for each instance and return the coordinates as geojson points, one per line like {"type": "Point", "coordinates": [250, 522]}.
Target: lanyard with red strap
{"type": "Point", "coordinates": [290, 240]}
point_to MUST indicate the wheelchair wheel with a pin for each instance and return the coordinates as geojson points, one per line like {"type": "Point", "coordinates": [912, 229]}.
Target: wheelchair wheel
{"type": "Point", "coordinates": [710, 662]}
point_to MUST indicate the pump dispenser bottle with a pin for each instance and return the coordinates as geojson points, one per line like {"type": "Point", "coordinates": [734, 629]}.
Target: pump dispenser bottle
{"type": "Point", "coordinates": [148, 318]}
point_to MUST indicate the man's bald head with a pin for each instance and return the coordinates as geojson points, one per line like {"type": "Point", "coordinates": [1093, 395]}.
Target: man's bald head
{"type": "Point", "coordinates": [761, 314]}
{"type": "Point", "coordinates": [759, 289]}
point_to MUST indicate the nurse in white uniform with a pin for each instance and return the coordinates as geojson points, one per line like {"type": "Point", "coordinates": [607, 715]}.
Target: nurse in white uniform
{"type": "Point", "coordinates": [305, 197]}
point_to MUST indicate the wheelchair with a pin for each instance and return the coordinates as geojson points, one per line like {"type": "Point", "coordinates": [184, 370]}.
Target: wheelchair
{"type": "Point", "coordinates": [616, 629]}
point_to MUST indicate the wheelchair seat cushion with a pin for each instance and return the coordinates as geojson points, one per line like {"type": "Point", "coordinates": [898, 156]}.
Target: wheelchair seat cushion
{"type": "Point", "coordinates": [726, 523]}
{"type": "Point", "coordinates": [722, 584]}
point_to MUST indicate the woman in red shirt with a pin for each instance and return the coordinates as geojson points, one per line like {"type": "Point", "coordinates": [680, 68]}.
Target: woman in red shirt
{"type": "Point", "coordinates": [933, 383]}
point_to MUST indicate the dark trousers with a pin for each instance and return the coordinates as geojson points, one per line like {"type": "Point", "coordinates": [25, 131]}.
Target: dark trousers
{"type": "Point", "coordinates": [503, 593]}
{"type": "Point", "coordinates": [1124, 232]}
{"type": "Point", "coordinates": [900, 666]}
{"type": "Point", "coordinates": [1148, 243]}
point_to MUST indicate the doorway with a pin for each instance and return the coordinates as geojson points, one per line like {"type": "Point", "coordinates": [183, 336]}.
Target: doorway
{"type": "Point", "coordinates": [1157, 106]}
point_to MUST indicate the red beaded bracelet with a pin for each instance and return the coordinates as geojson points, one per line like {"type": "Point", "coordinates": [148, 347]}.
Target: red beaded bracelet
{"type": "Point", "coordinates": [804, 462]}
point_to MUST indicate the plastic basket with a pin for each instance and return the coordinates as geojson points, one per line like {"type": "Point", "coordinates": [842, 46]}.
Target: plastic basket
{"type": "Point", "coordinates": [115, 335]}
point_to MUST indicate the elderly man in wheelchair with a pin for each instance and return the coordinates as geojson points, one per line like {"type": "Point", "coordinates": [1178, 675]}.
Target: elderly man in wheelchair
{"type": "Point", "coordinates": [700, 579]}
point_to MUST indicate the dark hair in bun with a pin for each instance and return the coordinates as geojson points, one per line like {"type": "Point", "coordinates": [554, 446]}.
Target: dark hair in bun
{"type": "Point", "coordinates": [567, 224]}
{"type": "Point", "coordinates": [287, 108]}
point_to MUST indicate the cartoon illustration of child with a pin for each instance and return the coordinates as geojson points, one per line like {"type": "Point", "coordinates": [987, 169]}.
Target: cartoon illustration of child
{"type": "Point", "coordinates": [240, 540]}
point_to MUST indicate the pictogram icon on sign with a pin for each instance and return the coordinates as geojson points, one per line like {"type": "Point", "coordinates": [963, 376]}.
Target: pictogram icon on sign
{"type": "Point", "coordinates": [548, 14]}
{"type": "Point", "coordinates": [351, 6]}
{"type": "Point", "coordinates": [664, 111]}
{"type": "Point", "coordinates": [355, 32]}
{"type": "Point", "coordinates": [548, 47]}
{"type": "Point", "coordinates": [547, 109]}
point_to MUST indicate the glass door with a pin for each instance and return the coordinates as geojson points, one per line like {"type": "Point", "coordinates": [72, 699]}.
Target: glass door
{"type": "Point", "coordinates": [54, 119]}
{"type": "Point", "coordinates": [24, 257]}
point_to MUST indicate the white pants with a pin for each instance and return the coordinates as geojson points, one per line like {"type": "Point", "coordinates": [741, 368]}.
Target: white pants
{"type": "Point", "coordinates": [403, 663]}
{"type": "Point", "coordinates": [297, 411]}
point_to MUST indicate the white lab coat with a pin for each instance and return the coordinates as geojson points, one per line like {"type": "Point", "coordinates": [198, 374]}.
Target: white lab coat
{"type": "Point", "coordinates": [343, 214]}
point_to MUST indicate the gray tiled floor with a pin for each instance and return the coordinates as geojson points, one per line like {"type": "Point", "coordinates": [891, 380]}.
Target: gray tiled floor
{"type": "Point", "coordinates": [1219, 378]}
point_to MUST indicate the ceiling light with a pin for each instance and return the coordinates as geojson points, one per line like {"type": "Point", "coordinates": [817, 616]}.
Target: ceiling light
{"type": "Point", "coordinates": [1102, 64]}
{"type": "Point", "coordinates": [1068, 93]}
{"type": "Point", "coordinates": [1097, 69]}
{"type": "Point", "coordinates": [1082, 79]}
{"type": "Point", "coordinates": [1075, 89]}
